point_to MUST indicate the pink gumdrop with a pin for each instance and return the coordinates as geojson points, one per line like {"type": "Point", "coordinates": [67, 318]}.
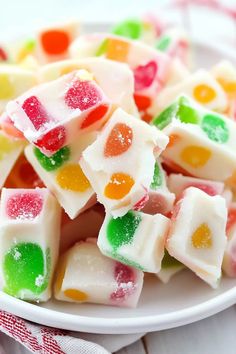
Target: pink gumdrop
{"type": "Point", "coordinates": [82, 95]}
{"type": "Point", "coordinates": [204, 187]}
{"type": "Point", "coordinates": [125, 278]}
{"type": "Point", "coordinates": [231, 221]}
{"type": "Point", "coordinates": [36, 112]}
{"type": "Point", "coordinates": [52, 141]}
{"type": "Point", "coordinates": [141, 203]}
{"type": "Point", "coordinates": [24, 206]}
{"type": "Point", "coordinates": [144, 75]}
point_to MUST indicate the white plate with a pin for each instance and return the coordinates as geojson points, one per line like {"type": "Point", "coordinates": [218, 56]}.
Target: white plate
{"type": "Point", "coordinates": [184, 300]}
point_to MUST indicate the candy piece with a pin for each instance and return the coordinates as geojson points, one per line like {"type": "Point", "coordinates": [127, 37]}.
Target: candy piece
{"type": "Point", "coordinates": [121, 173]}
{"type": "Point", "coordinates": [169, 267]}
{"type": "Point", "coordinates": [201, 243]}
{"type": "Point", "coordinates": [63, 176]}
{"type": "Point", "coordinates": [204, 142]}
{"type": "Point", "coordinates": [13, 82]}
{"type": "Point", "coordinates": [83, 267]}
{"type": "Point", "coordinates": [30, 226]}
{"type": "Point", "coordinates": [129, 28]}
{"type": "Point", "coordinates": [135, 239]}
{"type": "Point", "coordinates": [50, 113]}
{"type": "Point", "coordinates": [160, 200]}
{"type": "Point", "coordinates": [229, 262]}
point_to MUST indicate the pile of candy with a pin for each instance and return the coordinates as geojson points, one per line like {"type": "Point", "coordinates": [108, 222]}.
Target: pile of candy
{"type": "Point", "coordinates": [116, 161]}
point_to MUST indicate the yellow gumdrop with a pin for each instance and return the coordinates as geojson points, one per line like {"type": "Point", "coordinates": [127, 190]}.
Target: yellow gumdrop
{"type": "Point", "coordinates": [119, 186]}
{"type": "Point", "coordinates": [117, 49]}
{"type": "Point", "coordinates": [204, 93]}
{"type": "Point", "coordinates": [71, 177]}
{"type": "Point", "coordinates": [7, 90]}
{"type": "Point", "coordinates": [60, 274]}
{"type": "Point", "coordinates": [228, 86]}
{"type": "Point", "coordinates": [195, 156]}
{"type": "Point", "coordinates": [76, 295]}
{"type": "Point", "coordinates": [6, 146]}
{"type": "Point", "coordinates": [202, 238]}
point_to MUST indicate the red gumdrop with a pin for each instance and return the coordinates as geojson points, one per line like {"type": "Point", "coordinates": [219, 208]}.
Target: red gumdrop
{"type": "Point", "coordinates": [52, 141]}
{"type": "Point", "coordinates": [24, 206]}
{"type": "Point", "coordinates": [141, 203]}
{"type": "Point", "coordinates": [231, 219]}
{"type": "Point", "coordinates": [204, 187]}
{"type": "Point", "coordinates": [144, 75]}
{"type": "Point", "coordinates": [123, 275]}
{"type": "Point", "coordinates": [82, 95]}
{"type": "Point", "coordinates": [95, 115]}
{"type": "Point", "coordinates": [3, 55]}
{"type": "Point", "coordinates": [142, 102]}
{"type": "Point", "coordinates": [35, 111]}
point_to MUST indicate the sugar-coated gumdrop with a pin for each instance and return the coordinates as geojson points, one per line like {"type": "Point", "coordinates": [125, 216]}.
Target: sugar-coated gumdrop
{"type": "Point", "coordinates": [204, 93]}
{"type": "Point", "coordinates": [195, 156]}
{"type": "Point", "coordinates": [24, 206]}
{"type": "Point", "coordinates": [53, 140]}
{"type": "Point", "coordinates": [76, 295]}
{"type": "Point", "coordinates": [94, 116]}
{"type": "Point", "coordinates": [119, 186]}
{"type": "Point", "coordinates": [55, 42]}
{"type": "Point", "coordinates": [215, 128]}
{"type": "Point", "coordinates": [120, 231]}
{"type": "Point", "coordinates": [71, 177]}
{"type": "Point", "coordinates": [7, 90]}
{"type": "Point", "coordinates": [157, 177]}
{"type": "Point", "coordinates": [125, 278]}
{"type": "Point", "coordinates": [169, 261]}
{"type": "Point", "coordinates": [129, 29]}
{"type": "Point", "coordinates": [187, 114]}
{"type": "Point", "coordinates": [82, 95]}
{"type": "Point", "coordinates": [144, 75]}
{"type": "Point", "coordinates": [165, 118]}
{"type": "Point", "coordinates": [202, 237]}
{"type": "Point", "coordinates": [163, 43]}
{"type": "Point", "coordinates": [116, 49]}
{"type": "Point", "coordinates": [55, 161]}
{"type": "Point", "coordinates": [26, 268]}
{"type": "Point", "coordinates": [142, 102]}
{"type": "Point", "coordinates": [35, 111]}
{"type": "Point", "coordinates": [119, 140]}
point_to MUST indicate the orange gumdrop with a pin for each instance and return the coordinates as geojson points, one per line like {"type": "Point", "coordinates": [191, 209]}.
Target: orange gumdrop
{"type": "Point", "coordinates": [142, 102]}
{"type": "Point", "coordinates": [119, 186]}
{"type": "Point", "coordinates": [55, 42]}
{"type": "Point", "coordinates": [95, 115]}
{"type": "Point", "coordinates": [204, 93]}
{"type": "Point", "coordinates": [173, 139]}
{"type": "Point", "coordinates": [119, 140]}
{"type": "Point", "coordinates": [202, 237]}
{"type": "Point", "coordinates": [76, 295]}
{"type": "Point", "coordinates": [117, 49]}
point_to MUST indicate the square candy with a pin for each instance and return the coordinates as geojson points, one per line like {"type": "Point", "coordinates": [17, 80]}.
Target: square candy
{"type": "Point", "coordinates": [135, 239]}
{"type": "Point", "coordinates": [85, 275]}
{"type": "Point", "coordinates": [197, 234]}
{"type": "Point", "coordinates": [50, 114]}
{"type": "Point", "coordinates": [120, 163]}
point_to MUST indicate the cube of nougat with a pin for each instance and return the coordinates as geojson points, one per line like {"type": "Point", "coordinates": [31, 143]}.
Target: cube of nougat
{"type": "Point", "coordinates": [197, 234]}
{"type": "Point", "coordinates": [50, 114]}
{"type": "Point", "coordinates": [135, 239]}
{"type": "Point", "coordinates": [29, 239]}
{"type": "Point", "coordinates": [119, 88]}
{"type": "Point", "coordinates": [202, 142]}
{"type": "Point", "coordinates": [63, 176]}
{"type": "Point", "coordinates": [85, 275]}
{"type": "Point", "coordinates": [120, 163]}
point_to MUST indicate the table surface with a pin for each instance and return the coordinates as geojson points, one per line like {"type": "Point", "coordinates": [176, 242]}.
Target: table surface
{"type": "Point", "coordinates": [216, 334]}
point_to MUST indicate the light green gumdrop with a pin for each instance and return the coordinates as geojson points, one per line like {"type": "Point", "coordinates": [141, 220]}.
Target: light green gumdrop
{"type": "Point", "coordinates": [169, 262]}
{"type": "Point", "coordinates": [129, 28]}
{"type": "Point", "coordinates": [102, 48]}
{"type": "Point", "coordinates": [165, 118]}
{"type": "Point", "coordinates": [55, 161]}
{"type": "Point", "coordinates": [163, 43]}
{"type": "Point", "coordinates": [126, 261]}
{"type": "Point", "coordinates": [157, 177]}
{"type": "Point", "coordinates": [120, 231]}
{"type": "Point", "coordinates": [186, 113]}
{"type": "Point", "coordinates": [24, 269]}
{"type": "Point", "coordinates": [215, 128]}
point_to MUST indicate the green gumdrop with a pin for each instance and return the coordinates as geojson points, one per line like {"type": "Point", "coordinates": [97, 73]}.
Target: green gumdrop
{"type": "Point", "coordinates": [215, 128]}
{"type": "Point", "coordinates": [157, 177]}
{"type": "Point", "coordinates": [129, 28]}
{"type": "Point", "coordinates": [126, 261]}
{"type": "Point", "coordinates": [55, 161]}
{"type": "Point", "coordinates": [24, 269]}
{"type": "Point", "coordinates": [102, 48]}
{"type": "Point", "coordinates": [30, 44]}
{"type": "Point", "coordinates": [166, 116]}
{"type": "Point", "coordinates": [186, 113]}
{"type": "Point", "coordinates": [120, 231]}
{"type": "Point", "coordinates": [163, 43]}
{"type": "Point", "coordinates": [169, 262]}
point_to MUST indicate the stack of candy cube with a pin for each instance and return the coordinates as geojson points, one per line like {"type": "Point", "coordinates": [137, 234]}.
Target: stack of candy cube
{"type": "Point", "coordinates": [117, 160]}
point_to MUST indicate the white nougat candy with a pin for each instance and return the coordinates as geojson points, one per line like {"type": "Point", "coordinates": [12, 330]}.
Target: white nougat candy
{"type": "Point", "coordinates": [177, 73]}
{"type": "Point", "coordinates": [63, 176]}
{"type": "Point", "coordinates": [13, 82]}
{"type": "Point", "coordinates": [202, 142]}
{"type": "Point", "coordinates": [50, 113]}
{"type": "Point", "coordinates": [120, 163]}
{"type": "Point", "coordinates": [161, 200]}
{"type": "Point", "coordinates": [29, 230]}
{"type": "Point", "coordinates": [135, 239]}
{"type": "Point", "coordinates": [197, 235]}
{"type": "Point", "coordinates": [85, 275]}
{"type": "Point", "coordinates": [169, 267]}
{"type": "Point", "coordinates": [119, 88]}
